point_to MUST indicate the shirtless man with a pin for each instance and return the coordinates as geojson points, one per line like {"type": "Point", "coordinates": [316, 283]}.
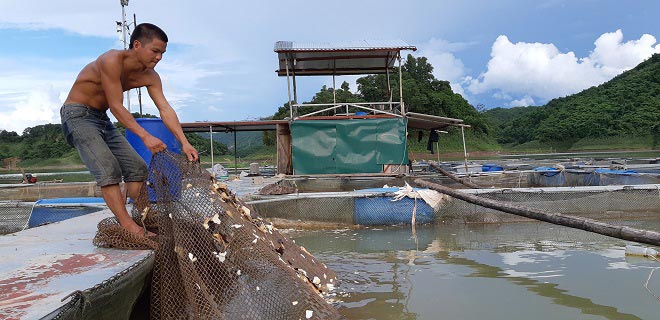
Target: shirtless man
{"type": "Point", "coordinates": [86, 126]}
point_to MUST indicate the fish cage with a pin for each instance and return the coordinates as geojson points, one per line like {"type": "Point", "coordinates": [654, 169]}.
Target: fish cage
{"type": "Point", "coordinates": [20, 215]}
{"type": "Point", "coordinates": [380, 206]}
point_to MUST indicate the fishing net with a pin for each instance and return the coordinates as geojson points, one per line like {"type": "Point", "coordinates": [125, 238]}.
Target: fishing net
{"type": "Point", "coordinates": [14, 216]}
{"type": "Point", "coordinates": [214, 258]}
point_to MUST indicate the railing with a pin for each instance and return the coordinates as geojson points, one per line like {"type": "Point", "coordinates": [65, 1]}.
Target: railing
{"type": "Point", "coordinates": [390, 108]}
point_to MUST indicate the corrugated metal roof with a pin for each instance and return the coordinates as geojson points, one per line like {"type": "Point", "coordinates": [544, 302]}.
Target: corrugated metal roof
{"type": "Point", "coordinates": [357, 45]}
{"type": "Point", "coordinates": [338, 58]}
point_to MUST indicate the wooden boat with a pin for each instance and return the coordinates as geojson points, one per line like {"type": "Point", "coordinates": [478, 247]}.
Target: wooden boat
{"type": "Point", "coordinates": [54, 271]}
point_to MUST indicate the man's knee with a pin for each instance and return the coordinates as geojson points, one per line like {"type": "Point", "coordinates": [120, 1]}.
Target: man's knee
{"type": "Point", "coordinates": [138, 172]}
{"type": "Point", "coordinates": [111, 176]}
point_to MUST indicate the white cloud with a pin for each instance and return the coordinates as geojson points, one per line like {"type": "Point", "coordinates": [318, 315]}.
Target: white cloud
{"type": "Point", "coordinates": [33, 108]}
{"type": "Point", "coordinates": [523, 102]}
{"type": "Point", "coordinates": [614, 56]}
{"type": "Point", "coordinates": [446, 66]}
{"type": "Point", "coordinates": [31, 95]}
{"type": "Point", "coordinates": [538, 70]}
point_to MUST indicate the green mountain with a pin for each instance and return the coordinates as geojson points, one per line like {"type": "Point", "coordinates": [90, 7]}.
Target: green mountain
{"type": "Point", "coordinates": [246, 141]}
{"type": "Point", "coordinates": [626, 106]}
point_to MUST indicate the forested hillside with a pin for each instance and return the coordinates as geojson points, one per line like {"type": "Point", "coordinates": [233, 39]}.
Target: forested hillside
{"type": "Point", "coordinates": [628, 105]}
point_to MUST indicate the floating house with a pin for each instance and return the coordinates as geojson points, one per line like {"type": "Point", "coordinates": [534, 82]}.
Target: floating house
{"type": "Point", "coordinates": [339, 137]}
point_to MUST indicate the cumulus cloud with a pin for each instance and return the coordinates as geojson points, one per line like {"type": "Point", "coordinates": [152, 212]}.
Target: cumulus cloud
{"type": "Point", "coordinates": [446, 66]}
{"type": "Point", "coordinates": [30, 95]}
{"type": "Point", "coordinates": [614, 56]}
{"type": "Point", "coordinates": [32, 108]}
{"type": "Point", "coordinates": [539, 70]}
{"type": "Point", "coordinates": [522, 102]}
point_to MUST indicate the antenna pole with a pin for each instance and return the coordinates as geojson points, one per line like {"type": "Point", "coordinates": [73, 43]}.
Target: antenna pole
{"type": "Point", "coordinates": [139, 90]}
{"type": "Point", "coordinates": [124, 28]}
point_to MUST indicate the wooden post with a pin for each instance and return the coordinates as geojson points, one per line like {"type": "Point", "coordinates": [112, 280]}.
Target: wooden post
{"type": "Point", "coordinates": [586, 224]}
{"type": "Point", "coordinates": [284, 157]}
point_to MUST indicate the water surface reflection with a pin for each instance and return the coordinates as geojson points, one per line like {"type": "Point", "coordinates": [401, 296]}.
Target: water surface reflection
{"type": "Point", "coordinates": [503, 271]}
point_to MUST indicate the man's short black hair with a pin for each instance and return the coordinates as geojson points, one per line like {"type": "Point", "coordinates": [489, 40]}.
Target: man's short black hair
{"type": "Point", "coordinates": [145, 32]}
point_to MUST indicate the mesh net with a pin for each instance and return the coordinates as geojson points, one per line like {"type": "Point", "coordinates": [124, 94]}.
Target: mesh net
{"type": "Point", "coordinates": [214, 258]}
{"type": "Point", "coordinates": [19, 215]}
{"type": "Point", "coordinates": [14, 216]}
{"type": "Point", "coordinates": [610, 203]}
{"type": "Point", "coordinates": [622, 203]}
{"type": "Point", "coordinates": [44, 190]}
{"type": "Point", "coordinates": [347, 209]}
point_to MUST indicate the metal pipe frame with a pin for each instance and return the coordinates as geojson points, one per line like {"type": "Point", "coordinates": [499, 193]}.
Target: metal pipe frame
{"type": "Point", "coordinates": [330, 104]}
{"type": "Point", "coordinates": [211, 137]}
{"type": "Point", "coordinates": [387, 76]}
{"type": "Point", "coordinates": [288, 87]}
{"type": "Point", "coordinates": [403, 109]}
{"type": "Point", "coordinates": [235, 153]}
{"type": "Point", "coordinates": [467, 171]}
{"type": "Point", "coordinates": [349, 105]}
{"type": "Point", "coordinates": [376, 110]}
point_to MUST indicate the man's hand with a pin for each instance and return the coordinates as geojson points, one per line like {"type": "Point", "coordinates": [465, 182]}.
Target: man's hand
{"type": "Point", "coordinates": [190, 152]}
{"type": "Point", "coordinates": [154, 144]}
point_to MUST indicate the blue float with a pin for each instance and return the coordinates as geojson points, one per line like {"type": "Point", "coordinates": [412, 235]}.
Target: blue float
{"type": "Point", "coordinates": [157, 128]}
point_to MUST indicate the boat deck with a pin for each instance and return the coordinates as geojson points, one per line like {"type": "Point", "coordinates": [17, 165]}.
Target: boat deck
{"type": "Point", "coordinates": [42, 266]}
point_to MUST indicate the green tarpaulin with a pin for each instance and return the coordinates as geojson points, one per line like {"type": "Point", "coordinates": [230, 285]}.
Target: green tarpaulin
{"type": "Point", "coordinates": [348, 146]}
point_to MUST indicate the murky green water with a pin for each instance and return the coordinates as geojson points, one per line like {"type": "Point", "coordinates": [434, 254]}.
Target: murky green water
{"type": "Point", "coordinates": [506, 271]}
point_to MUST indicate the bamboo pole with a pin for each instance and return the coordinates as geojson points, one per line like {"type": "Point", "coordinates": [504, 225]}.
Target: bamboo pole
{"type": "Point", "coordinates": [455, 178]}
{"type": "Point", "coordinates": [586, 224]}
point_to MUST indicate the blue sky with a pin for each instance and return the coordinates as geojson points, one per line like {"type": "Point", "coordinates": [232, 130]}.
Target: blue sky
{"type": "Point", "coordinates": [220, 61]}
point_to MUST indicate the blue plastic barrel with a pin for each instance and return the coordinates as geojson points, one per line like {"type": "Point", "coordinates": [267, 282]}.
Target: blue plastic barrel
{"type": "Point", "coordinates": [156, 128]}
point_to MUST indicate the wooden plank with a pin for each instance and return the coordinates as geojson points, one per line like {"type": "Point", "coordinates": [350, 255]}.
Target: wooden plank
{"type": "Point", "coordinates": [284, 157]}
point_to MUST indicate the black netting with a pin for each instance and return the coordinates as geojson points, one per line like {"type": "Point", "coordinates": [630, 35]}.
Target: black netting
{"type": "Point", "coordinates": [215, 258]}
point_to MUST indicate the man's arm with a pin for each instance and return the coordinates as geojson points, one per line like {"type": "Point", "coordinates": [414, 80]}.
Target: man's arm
{"type": "Point", "coordinates": [169, 117]}
{"type": "Point", "coordinates": [110, 69]}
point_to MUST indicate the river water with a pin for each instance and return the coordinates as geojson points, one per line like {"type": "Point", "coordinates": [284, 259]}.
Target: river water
{"type": "Point", "coordinates": [488, 271]}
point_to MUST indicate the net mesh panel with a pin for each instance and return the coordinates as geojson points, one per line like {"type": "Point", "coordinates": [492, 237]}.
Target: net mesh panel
{"type": "Point", "coordinates": [324, 209]}
{"type": "Point", "coordinates": [18, 215]}
{"type": "Point", "coordinates": [14, 216]}
{"type": "Point", "coordinates": [619, 204]}
{"type": "Point", "coordinates": [46, 214]}
{"type": "Point", "coordinates": [346, 209]}
{"type": "Point", "coordinates": [51, 190]}
{"type": "Point", "coordinates": [215, 259]}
